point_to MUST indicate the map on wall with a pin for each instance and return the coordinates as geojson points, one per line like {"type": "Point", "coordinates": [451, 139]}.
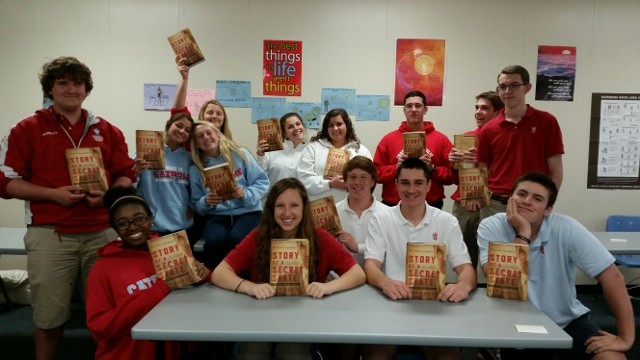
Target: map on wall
{"type": "Point", "coordinates": [614, 146]}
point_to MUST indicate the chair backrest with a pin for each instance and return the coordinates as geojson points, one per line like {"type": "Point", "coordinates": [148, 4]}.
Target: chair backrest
{"type": "Point", "coordinates": [626, 223]}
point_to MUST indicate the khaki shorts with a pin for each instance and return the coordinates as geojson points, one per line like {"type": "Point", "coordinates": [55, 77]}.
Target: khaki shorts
{"type": "Point", "coordinates": [54, 262]}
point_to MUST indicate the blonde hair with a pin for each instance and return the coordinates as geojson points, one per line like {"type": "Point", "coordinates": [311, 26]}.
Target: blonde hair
{"type": "Point", "coordinates": [225, 145]}
{"type": "Point", "coordinates": [225, 129]}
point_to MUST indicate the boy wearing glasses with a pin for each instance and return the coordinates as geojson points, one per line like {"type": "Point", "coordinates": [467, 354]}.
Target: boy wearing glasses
{"type": "Point", "coordinates": [66, 226]}
{"type": "Point", "coordinates": [519, 140]}
{"type": "Point", "coordinates": [389, 153]}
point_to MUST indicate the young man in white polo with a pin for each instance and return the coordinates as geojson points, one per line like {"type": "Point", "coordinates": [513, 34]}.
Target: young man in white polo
{"type": "Point", "coordinates": [413, 220]}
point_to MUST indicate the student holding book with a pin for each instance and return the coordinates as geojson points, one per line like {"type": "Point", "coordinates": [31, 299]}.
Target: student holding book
{"type": "Point", "coordinates": [337, 132]}
{"type": "Point", "coordinates": [287, 215]}
{"type": "Point", "coordinates": [284, 163]}
{"type": "Point", "coordinates": [390, 152]}
{"type": "Point", "coordinates": [229, 220]}
{"type": "Point", "coordinates": [356, 210]}
{"type": "Point", "coordinates": [557, 245]}
{"type": "Point", "coordinates": [66, 226]}
{"type": "Point", "coordinates": [211, 111]}
{"type": "Point", "coordinates": [488, 106]}
{"type": "Point", "coordinates": [117, 300]}
{"type": "Point", "coordinates": [167, 190]}
{"type": "Point", "coordinates": [413, 220]}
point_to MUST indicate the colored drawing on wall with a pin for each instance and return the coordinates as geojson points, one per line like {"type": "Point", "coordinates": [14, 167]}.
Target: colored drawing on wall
{"type": "Point", "coordinates": [420, 66]}
{"type": "Point", "coordinates": [556, 75]}
{"type": "Point", "coordinates": [197, 97]}
{"type": "Point", "coordinates": [234, 93]}
{"type": "Point", "coordinates": [282, 68]}
{"type": "Point", "coordinates": [308, 111]}
{"type": "Point", "coordinates": [373, 107]}
{"type": "Point", "coordinates": [159, 96]}
{"type": "Point", "coordinates": [333, 98]}
{"type": "Point", "coordinates": [266, 108]}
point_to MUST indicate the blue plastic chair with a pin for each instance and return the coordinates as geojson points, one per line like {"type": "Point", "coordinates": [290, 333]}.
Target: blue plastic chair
{"type": "Point", "coordinates": [625, 223]}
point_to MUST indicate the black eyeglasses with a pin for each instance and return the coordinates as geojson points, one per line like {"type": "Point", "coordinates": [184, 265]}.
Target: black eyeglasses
{"type": "Point", "coordinates": [512, 87]}
{"type": "Point", "coordinates": [124, 224]}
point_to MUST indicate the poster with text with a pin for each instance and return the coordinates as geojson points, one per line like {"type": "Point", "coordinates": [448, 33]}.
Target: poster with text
{"type": "Point", "coordinates": [420, 66]}
{"type": "Point", "coordinates": [282, 68]}
{"type": "Point", "coordinates": [556, 75]}
{"type": "Point", "coordinates": [614, 142]}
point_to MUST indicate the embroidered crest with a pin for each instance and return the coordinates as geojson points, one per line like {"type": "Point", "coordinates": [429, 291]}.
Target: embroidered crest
{"type": "Point", "coordinates": [96, 135]}
{"type": "Point", "coordinates": [533, 129]}
{"type": "Point", "coordinates": [435, 236]}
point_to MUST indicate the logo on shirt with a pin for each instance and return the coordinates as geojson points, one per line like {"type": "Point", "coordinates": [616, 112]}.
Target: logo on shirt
{"type": "Point", "coordinates": [142, 284]}
{"type": "Point", "coordinates": [435, 236]}
{"type": "Point", "coordinates": [96, 135]}
{"type": "Point", "coordinates": [533, 129]}
{"type": "Point", "coordinates": [49, 133]}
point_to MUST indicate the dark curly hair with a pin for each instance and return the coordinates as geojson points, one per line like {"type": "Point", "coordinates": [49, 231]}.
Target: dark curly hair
{"type": "Point", "coordinates": [62, 68]}
{"type": "Point", "coordinates": [324, 132]}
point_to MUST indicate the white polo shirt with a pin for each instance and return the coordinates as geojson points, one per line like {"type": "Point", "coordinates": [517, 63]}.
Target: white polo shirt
{"type": "Point", "coordinates": [389, 233]}
{"type": "Point", "coordinates": [357, 226]}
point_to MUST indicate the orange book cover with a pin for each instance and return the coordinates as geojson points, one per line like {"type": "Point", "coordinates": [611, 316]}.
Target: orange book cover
{"type": "Point", "coordinates": [184, 44]}
{"type": "Point", "coordinates": [508, 271]}
{"type": "Point", "coordinates": [336, 158]}
{"type": "Point", "coordinates": [325, 214]}
{"type": "Point", "coordinates": [269, 130]}
{"type": "Point", "coordinates": [289, 272]}
{"type": "Point", "coordinates": [173, 259]}
{"type": "Point", "coordinates": [220, 178]}
{"type": "Point", "coordinates": [150, 147]}
{"type": "Point", "coordinates": [86, 168]}
{"type": "Point", "coordinates": [474, 185]}
{"type": "Point", "coordinates": [414, 143]}
{"type": "Point", "coordinates": [426, 269]}
{"type": "Point", "coordinates": [464, 142]}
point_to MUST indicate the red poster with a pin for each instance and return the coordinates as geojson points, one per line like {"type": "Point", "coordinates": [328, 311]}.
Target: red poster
{"type": "Point", "coordinates": [420, 66]}
{"type": "Point", "coordinates": [282, 68]}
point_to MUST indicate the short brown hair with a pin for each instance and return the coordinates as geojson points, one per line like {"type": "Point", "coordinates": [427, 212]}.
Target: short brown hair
{"type": "Point", "coordinates": [516, 69]}
{"type": "Point", "coordinates": [362, 163]}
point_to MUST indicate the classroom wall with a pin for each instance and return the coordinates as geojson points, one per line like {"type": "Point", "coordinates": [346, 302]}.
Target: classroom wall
{"type": "Point", "coordinates": [348, 44]}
